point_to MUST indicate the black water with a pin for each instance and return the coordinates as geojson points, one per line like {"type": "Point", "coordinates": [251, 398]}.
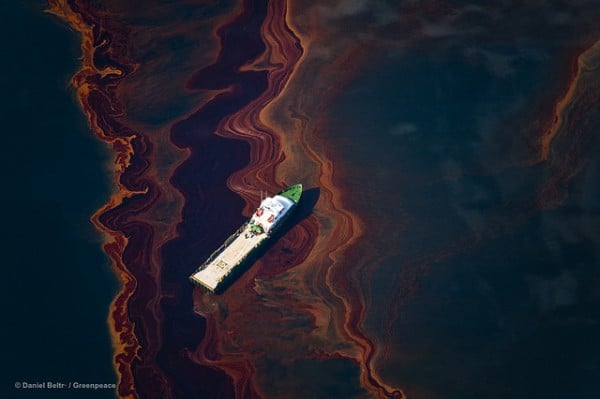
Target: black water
{"type": "Point", "coordinates": [57, 282]}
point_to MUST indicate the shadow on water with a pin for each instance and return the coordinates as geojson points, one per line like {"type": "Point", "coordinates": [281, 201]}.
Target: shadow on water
{"type": "Point", "coordinates": [308, 200]}
{"type": "Point", "coordinates": [304, 209]}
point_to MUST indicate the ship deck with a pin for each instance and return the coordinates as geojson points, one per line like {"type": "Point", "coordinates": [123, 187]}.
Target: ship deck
{"type": "Point", "coordinates": [234, 252]}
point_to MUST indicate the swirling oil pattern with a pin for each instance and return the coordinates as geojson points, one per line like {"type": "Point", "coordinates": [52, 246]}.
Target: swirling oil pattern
{"type": "Point", "coordinates": [446, 246]}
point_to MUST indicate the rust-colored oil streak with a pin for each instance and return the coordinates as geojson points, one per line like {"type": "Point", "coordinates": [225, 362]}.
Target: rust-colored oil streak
{"type": "Point", "coordinates": [561, 108]}
{"type": "Point", "coordinates": [95, 85]}
{"type": "Point", "coordinates": [221, 346]}
{"type": "Point", "coordinates": [329, 271]}
{"type": "Point", "coordinates": [308, 304]}
{"type": "Point", "coordinates": [280, 57]}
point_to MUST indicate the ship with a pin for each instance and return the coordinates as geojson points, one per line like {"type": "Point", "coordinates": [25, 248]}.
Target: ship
{"type": "Point", "coordinates": [224, 263]}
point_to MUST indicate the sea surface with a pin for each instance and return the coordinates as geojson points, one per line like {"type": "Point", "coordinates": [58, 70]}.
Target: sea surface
{"type": "Point", "coordinates": [57, 283]}
{"type": "Point", "coordinates": [447, 243]}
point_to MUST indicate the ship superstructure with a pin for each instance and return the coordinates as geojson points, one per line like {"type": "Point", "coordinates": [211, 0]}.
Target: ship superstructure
{"type": "Point", "coordinates": [267, 218]}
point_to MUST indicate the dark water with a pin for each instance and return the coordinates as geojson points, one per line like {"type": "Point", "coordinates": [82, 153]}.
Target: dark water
{"type": "Point", "coordinates": [499, 318]}
{"type": "Point", "coordinates": [452, 249]}
{"type": "Point", "coordinates": [491, 296]}
{"type": "Point", "coordinates": [57, 283]}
